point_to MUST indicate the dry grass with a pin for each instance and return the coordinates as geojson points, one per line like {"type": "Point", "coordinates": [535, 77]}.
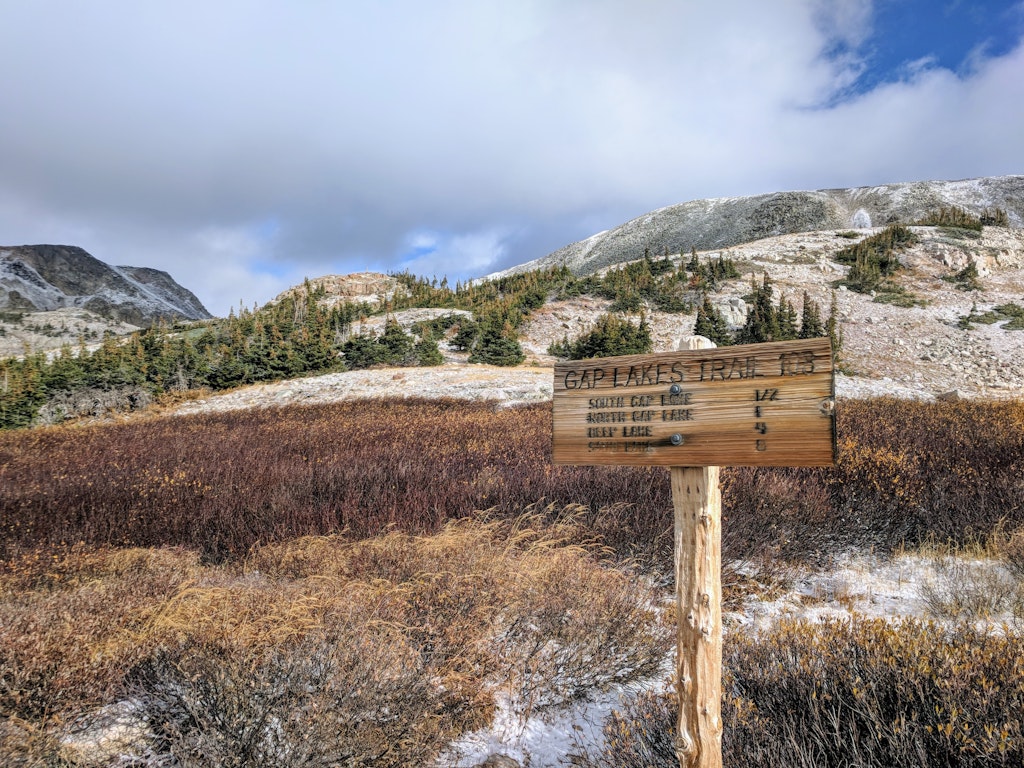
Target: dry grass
{"type": "Point", "coordinates": [223, 484]}
{"type": "Point", "coordinates": [1009, 548]}
{"type": "Point", "coordinates": [232, 570]}
{"type": "Point", "coordinates": [321, 650]}
{"type": "Point", "coordinates": [849, 694]}
{"type": "Point", "coordinates": [976, 581]}
{"type": "Point", "coordinates": [72, 623]}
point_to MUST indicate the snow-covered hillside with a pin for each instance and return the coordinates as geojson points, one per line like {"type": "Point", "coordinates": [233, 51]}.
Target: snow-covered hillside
{"type": "Point", "coordinates": [729, 221]}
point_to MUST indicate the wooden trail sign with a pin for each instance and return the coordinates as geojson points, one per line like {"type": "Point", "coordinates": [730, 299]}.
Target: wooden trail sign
{"type": "Point", "coordinates": [755, 405]}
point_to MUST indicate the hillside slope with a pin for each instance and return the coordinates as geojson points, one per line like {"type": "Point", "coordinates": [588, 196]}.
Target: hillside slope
{"type": "Point", "coordinates": [913, 352]}
{"type": "Point", "coordinates": [729, 221]}
{"type": "Point", "coordinates": [908, 351]}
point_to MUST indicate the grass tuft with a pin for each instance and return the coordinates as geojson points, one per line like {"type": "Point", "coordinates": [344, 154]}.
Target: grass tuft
{"type": "Point", "coordinates": [848, 694]}
{"type": "Point", "coordinates": [322, 650]}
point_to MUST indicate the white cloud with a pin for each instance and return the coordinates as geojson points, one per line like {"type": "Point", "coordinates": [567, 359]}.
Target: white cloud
{"type": "Point", "coordinates": [936, 126]}
{"type": "Point", "coordinates": [462, 254]}
{"type": "Point", "coordinates": [452, 137]}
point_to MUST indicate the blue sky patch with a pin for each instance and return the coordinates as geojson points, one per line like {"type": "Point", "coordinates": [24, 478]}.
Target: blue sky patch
{"type": "Point", "coordinates": [274, 269]}
{"type": "Point", "coordinates": [910, 35]}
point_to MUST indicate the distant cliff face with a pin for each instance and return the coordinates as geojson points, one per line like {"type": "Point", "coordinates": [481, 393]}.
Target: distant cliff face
{"type": "Point", "coordinates": [47, 277]}
{"type": "Point", "coordinates": [727, 222]}
{"type": "Point", "coordinates": [361, 287]}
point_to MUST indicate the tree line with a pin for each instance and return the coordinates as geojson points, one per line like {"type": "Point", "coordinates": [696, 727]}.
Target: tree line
{"type": "Point", "coordinates": [766, 320]}
{"type": "Point", "coordinates": [303, 334]}
{"type": "Point", "coordinates": [296, 335]}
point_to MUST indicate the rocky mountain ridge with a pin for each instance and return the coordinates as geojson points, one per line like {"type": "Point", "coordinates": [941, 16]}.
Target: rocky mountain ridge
{"type": "Point", "coordinates": [726, 222]}
{"type": "Point", "coordinates": [42, 278]}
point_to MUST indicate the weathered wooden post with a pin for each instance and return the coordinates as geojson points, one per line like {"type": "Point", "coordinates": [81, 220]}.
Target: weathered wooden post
{"type": "Point", "coordinates": [695, 410]}
{"type": "Point", "coordinates": [697, 504]}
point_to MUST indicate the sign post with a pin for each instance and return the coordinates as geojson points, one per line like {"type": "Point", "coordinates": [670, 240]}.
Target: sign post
{"type": "Point", "coordinates": [697, 505]}
{"type": "Point", "coordinates": [769, 404]}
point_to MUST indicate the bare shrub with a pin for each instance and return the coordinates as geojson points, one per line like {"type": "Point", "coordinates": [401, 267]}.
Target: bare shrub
{"type": "Point", "coordinates": [385, 647]}
{"type": "Point", "coordinates": [848, 694]}
{"type": "Point", "coordinates": [24, 745]}
{"type": "Point", "coordinates": [92, 401]}
{"type": "Point", "coordinates": [909, 471]}
{"type": "Point", "coordinates": [350, 696]}
{"type": "Point", "coordinates": [555, 647]}
{"type": "Point", "coordinates": [639, 736]}
{"type": "Point", "coordinates": [223, 483]}
{"type": "Point", "coordinates": [775, 514]}
{"type": "Point", "coordinates": [1010, 549]}
{"type": "Point", "coordinates": [969, 587]}
{"type": "Point", "coordinates": [872, 692]}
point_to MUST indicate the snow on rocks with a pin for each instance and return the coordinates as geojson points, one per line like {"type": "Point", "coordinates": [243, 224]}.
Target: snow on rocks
{"type": "Point", "coordinates": [508, 386]}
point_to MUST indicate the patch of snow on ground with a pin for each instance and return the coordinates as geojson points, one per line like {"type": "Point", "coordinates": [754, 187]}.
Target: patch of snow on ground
{"type": "Point", "coordinates": [861, 585]}
{"type": "Point", "coordinates": [858, 585]}
{"type": "Point", "coordinates": [545, 740]}
{"type": "Point", "coordinates": [508, 386]}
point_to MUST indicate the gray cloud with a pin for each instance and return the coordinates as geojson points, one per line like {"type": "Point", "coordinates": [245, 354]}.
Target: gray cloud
{"type": "Point", "coordinates": [245, 145]}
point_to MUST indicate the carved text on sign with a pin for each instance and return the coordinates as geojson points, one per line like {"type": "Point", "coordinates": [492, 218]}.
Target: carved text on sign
{"type": "Point", "coordinates": [759, 405]}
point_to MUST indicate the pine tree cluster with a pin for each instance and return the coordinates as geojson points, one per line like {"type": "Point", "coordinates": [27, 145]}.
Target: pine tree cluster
{"type": "Point", "coordinates": [611, 335]}
{"type": "Point", "coordinates": [293, 336]}
{"type": "Point", "coordinates": [874, 259]}
{"type": "Point", "coordinates": [769, 320]}
{"type": "Point", "coordinates": [654, 283]}
{"type": "Point", "coordinates": [954, 216]}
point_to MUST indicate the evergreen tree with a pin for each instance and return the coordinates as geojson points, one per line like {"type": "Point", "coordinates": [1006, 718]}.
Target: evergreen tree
{"type": "Point", "coordinates": [865, 274]}
{"type": "Point", "coordinates": [497, 344]}
{"type": "Point", "coordinates": [362, 351]}
{"type": "Point", "coordinates": [21, 390]}
{"type": "Point", "coordinates": [533, 298]}
{"type": "Point", "coordinates": [724, 268]}
{"type": "Point", "coordinates": [228, 370]}
{"type": "Point", "coordinates": [835, 333]}
{"type": "Point", "coordinates": [611, 335]}
{"type": "Point", "coordinates": [874, 258]}
{"type": "Point", "coordinates": [995, 218]}
{"type": "Point", "coordinates": [762, 321]}
{"type": "Point", "coordinates": [427, 352]}
{"type": "Point", "coordinates": [64, 371]}
{"type": "Point", "coordinates": [786, 319]}
{"type": "Point", "coordinates": [495, 349]}
{"type": "Point", "coordinates": [693, 265]}
{"type": "Point", "coordinates": [811, 326]}
{"type": "Point", "coordinates": [467, 334]}
{"type": "Point", "coordinates": [395, 343]}
{"type": "Point", "coordinates": [711, 325]}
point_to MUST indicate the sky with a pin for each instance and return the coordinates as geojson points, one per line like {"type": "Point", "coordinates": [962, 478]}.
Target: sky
{"type": "Point", "coordinates": [242, 145]}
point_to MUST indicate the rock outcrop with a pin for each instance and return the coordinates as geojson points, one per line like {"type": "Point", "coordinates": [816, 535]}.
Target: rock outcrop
{"type": "Point", "coordinates": [373, 288]}
{"type": "Point", "coordinates": [42, 278]}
